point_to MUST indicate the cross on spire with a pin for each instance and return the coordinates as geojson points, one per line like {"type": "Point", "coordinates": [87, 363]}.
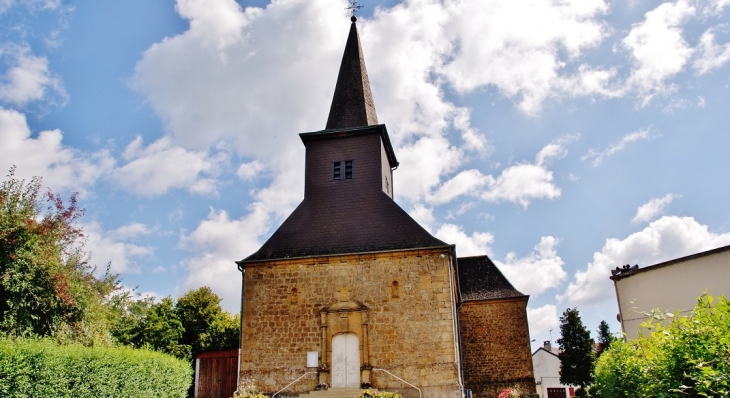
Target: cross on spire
{"type": "Point", "coordinates": [354, 7]}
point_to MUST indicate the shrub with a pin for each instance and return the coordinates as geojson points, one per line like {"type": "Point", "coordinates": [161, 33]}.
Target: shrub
{"type": "Point", "coordinates": [42, 368]}
{"type": "Point", "coordinates": [688, 357]}
{"type": "Point", "coordinates": [247, 389]}
{"type": "Point", "coordinates": [379, 394]}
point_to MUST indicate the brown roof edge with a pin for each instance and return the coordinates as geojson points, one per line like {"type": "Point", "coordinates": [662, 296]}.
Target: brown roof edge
{"type": "Point", "coordinates": [525, 297]}
{"type": "Point", "coordinates": [272, 260]}
{"type": "Point", "coordinates": [352, 131]}
{"type": "Point", "coordinates": [670, 262]}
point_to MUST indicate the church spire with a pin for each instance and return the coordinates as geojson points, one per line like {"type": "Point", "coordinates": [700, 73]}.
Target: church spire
{"type": "Point", "coordinates": [352, 103]}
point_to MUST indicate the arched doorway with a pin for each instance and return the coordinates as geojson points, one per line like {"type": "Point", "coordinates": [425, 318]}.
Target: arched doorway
{"type": "Point", "coordinates": [345, 360]}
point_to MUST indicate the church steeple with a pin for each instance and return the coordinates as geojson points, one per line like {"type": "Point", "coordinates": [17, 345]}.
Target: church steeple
{"type": "Point", "coordinates": [352, 103]}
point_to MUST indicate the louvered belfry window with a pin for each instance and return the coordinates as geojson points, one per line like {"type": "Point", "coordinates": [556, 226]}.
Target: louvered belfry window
{"type": "Point", "coordinates": [348, 169]}
{"type": "Point", "coordinates": [336, 172]}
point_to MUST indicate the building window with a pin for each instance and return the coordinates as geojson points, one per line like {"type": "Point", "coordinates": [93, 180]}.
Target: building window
{"type": "Point", "coordinates": [336, 171]}
{"type": "Point", "coordinates": [348, 169]}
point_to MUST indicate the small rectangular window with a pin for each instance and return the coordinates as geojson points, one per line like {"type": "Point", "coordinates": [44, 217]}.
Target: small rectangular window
{"type": "Point", "coordinates": [348, 169]}
{"type": "Point", "coordinates": [336, 171]}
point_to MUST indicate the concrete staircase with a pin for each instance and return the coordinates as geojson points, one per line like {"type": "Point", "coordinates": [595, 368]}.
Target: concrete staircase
{"type": "Point", "coordinates": [349, 392]}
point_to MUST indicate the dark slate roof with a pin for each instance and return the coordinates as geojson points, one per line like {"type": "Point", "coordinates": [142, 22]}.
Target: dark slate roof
{"type": "Point", "coordinates": [341, 224]}
{"type": "Point", "coordinates": [352, 102]}
{"type": "Point", "coordinates": [480, 279]}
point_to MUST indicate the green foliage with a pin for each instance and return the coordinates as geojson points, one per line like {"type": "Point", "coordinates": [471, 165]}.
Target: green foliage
{"type": "Point", "coordinates": [379, 394]}
{"type": "Point", "coordinates": [689, 357]}
{"type": "Point", "coordinates": [605, 338]}
{"type": "Point", "coordinates": [47, 286]}
{"type": "Point", "coordinates": [43, 368]}
{"type": "Point", "coordinates": [247, 389]}
{"type": "Point", "coordinates": [206, 325]}
{"type": "Point", "coordinates": [144, 323]}
{"type": "Point", "coordinates": [576, 350]}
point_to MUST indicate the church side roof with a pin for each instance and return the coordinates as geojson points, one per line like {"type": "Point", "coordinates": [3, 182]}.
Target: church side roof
{"type": "Point", "coordinates": [480, 279]}
{"type": "Point", "coordinates": [352, 102]}
{"type": "Point", "coordinates": [341, 225]}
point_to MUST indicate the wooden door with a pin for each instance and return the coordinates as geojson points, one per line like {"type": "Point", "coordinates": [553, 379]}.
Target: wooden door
{"type": "Point", "coordinates": [345, 360]}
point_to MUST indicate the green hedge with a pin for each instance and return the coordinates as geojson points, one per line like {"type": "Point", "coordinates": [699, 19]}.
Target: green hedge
{"type": "Point", "coordinates": [42, 368]}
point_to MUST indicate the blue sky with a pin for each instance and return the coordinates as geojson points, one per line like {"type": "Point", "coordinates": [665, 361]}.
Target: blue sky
{"type": "Point", "coordinates": [561, 138]}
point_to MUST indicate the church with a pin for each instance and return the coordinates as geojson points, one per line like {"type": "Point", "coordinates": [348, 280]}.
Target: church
{"type": "Point", "coordinates": [354, 291]}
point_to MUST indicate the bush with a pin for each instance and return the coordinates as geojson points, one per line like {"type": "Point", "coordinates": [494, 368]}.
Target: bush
{"type": "Point", "coordinates": [688, 357]}
{"type": "Point", "coordinates": [42, 368]}
{"type": "Point", "coordinates": [379, 394]}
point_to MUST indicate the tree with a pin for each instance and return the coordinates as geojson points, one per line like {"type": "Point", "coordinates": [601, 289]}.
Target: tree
{"type": "Point", "coordinates": [677, 357]}
{"type": "Point", "coordinates": [605, 338]}
{"type": "Point", "coordinates": [162, 329]}
{"type": "Point", "coordinates": [46, 284]}
{"type": "Point", "coordinates": [206, 325]}
{"type": "Point", "coordinates": [576, 350]}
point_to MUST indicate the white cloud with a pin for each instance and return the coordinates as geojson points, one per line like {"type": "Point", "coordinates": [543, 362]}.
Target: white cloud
{"type": "Point", "coordinates": [658, 48]}
{"type": "Point", "coordinates": [710, 55]}
{"type": "Point", "coordinates": [522, 48]}
{"type": "Point", "coordinates": [234, 63]}
{"type": "Point", "coordinates": [716, 7]}
{"type": "Point", "coordinates": [218, 241]}
{"type": "Point", "coordinates": [549, 152]}
{"type": "Point", "coordinates": [521, 184]}
{"type": "Point", "coordinates": [32, 4]}
{"type": "Point", "coordinates": [542, 319]}
{"type": "Point", "coordinates": [474, 245]}
{"type": "Point", "coordinates": [664, 239]}
{"type": "Point", "coordinates": [466, 182]}
{"type": "Point", "coordinates": [542, 269]}
{"type": "Point", "coordinates": [423, 215]}
{"type": "Point", "coordinates": [422, 166]}
{"type": "Point", "coordinates": [653, 208]}
{"type": "Point", "coordinates": [114, 246]}
{"type": "Point", "coordinates": [161, 166]}
{"type": "Point", "coordinates": [28, 78]}
{"type": "Point", "coordinates": [642, 134]}
{"type": "Point", "coordinates": [62, 167]}
{"type": "Point", "coordinates": [251, 170]}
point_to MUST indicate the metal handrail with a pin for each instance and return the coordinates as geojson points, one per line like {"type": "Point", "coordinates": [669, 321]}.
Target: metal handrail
{"type": "Point", "coordinates": [287, 386]}
{"type": "Point", "coordinates": [383, 370]}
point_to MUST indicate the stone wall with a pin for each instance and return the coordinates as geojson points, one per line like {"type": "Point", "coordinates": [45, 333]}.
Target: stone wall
{"type": "Point", "coordinates": [495, 343]}
{"type": "Point", "coordinates": [399, 304]}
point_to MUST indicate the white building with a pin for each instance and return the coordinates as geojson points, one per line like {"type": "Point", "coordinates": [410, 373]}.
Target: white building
{"type": "Point", "coordinates": [546, 366]}
{"type": "Point", "coordinates": [670, 286]}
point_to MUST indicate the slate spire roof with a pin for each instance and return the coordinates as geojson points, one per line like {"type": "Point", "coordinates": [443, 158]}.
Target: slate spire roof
{"type": "Point", "coordinates": [352, 102]}
{"type": "Point", "coordinates": [354, 214]}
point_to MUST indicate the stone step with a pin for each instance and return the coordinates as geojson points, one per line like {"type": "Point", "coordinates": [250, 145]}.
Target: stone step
{"type": "Point", "coordinates": [350, 392]}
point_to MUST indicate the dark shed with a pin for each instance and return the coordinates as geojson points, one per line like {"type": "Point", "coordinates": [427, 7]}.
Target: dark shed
{"type": "Point", "coordinates": [216, 373]}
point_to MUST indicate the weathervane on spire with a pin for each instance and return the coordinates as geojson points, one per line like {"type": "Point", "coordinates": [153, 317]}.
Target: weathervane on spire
{"type": "Point", "coordinates": [354, 6]}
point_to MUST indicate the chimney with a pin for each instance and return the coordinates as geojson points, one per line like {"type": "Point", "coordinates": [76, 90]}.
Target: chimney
{"type": "Point", "coordinates": [546, 346]}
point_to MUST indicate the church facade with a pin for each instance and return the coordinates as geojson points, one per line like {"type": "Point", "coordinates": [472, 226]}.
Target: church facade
{"type": "Point", "coordinates": [351, 279]}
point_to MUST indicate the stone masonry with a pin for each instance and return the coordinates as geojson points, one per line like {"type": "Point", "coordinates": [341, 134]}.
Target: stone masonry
{"type": "Point", "coordinates": [398, 303]}
{"type": "Point", "coordinates": [495, 345]}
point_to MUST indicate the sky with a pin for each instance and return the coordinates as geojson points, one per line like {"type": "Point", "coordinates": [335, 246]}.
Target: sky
{"type": "Point", "coordinates": [562, 138]}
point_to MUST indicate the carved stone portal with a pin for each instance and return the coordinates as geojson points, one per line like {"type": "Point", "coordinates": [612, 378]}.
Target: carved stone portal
{"type": "Point", "coordinates": [344, 324]}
